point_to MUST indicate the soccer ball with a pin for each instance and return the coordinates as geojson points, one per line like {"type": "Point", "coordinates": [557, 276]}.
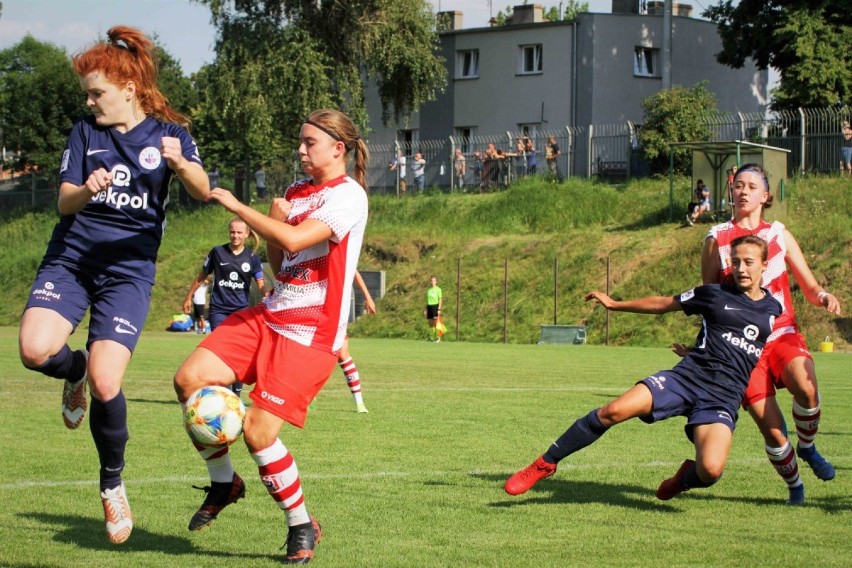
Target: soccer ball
{"type": "Point", "coordinates": [214, 416]}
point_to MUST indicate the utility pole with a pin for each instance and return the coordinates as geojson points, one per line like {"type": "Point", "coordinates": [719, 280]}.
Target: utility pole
{"type": "Point", "coordinates": [667, 45]}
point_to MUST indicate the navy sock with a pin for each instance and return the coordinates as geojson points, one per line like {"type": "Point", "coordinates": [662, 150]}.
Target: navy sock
{"type": "Point", "coordinates": [583, 432]}
{"type": "Point", "coordinates": [691, 480]}
{"type": "Point", "coordinates": [66, 365]}
{"type": "Point", "coordinates": [108, 423]}
{"type": "Point", "coordinates": [237, 387]}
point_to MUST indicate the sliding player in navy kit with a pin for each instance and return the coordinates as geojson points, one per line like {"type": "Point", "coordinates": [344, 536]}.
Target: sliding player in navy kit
{"type": "Point", "coordinates": [233, 266]}
{"type": "Point", "coordinates": [114, 186]}
{"type": "Point", "coordinates": [706, 386]}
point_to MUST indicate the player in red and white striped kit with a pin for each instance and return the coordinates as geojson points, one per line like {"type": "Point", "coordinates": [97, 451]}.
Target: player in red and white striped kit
{"type": "Point", "coordinates": [288, 345]}
{"type": "Point", "coordinates": [786, 361]}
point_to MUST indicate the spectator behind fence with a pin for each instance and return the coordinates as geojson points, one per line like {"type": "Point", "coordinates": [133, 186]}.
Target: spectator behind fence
{"type": "Point", "coordinates": [846, 149]}
{"type": "Point", "coordinates": [477, 167]}
{"type": "Point", "coordinates": [398, 165]}
{"type": "Point", "coordinates": [552, 154]}
{"type": "Point", "coordinates": [213, 176]}
{"type": "Point", "coordinates": [459, 166]}
{"type": "Point", "coordinates": [418, 170]}
{"type": "Point", "coordinates": [490, 167]}
{"type": "Point", "coordinates": [260, 182]}
{"type": "Point", "coordinates": [529, 152]}
{"type": "Point", "coordinates": [700, 205]}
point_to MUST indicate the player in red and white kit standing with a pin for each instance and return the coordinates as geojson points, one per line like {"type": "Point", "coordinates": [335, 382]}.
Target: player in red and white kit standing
{"type": "Point", "coordinates": [786, 361]}
{"type": "Point", "coordinates": [287, 346]}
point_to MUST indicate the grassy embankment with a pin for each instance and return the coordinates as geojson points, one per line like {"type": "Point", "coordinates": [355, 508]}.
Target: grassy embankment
{"type": "Point", "coordinates": [524, 232]}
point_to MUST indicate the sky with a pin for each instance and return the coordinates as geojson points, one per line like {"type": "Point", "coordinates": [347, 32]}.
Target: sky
{"type": "Point", "coordinates": [183, 27]}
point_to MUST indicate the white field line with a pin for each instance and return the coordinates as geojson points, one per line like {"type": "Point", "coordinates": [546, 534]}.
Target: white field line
{"type": "Point", "coordinates": [28, 484]}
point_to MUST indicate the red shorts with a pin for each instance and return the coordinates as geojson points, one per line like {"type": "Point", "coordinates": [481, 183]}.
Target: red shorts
{"type": "Point", "coordinates": [287, 375]}
{"type": "Point", "coordinates": [767, 374]}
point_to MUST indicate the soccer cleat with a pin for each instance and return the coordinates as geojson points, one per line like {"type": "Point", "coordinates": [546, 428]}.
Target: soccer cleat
{"type": "Point", "coordinates": [301, 542]}
{"type": "Point", "coordinates": [689, 220]}
{"type": "Point", "coordinates": [797, 495]}
{"type": "Point", "coordinates": [74, 400]}
{"type": "Point", "coordinates": [524, 480]}
{"type": "Point", "coordinates": [219, 496]}
{"type": "Point", "coordinates": [361, 409]}
{"type": "Point", "coordinates": [119, 519]}
{"type": "Point", "coordinates": [672, 487]}
{"type": "Point", "coordinates": [822, 467]}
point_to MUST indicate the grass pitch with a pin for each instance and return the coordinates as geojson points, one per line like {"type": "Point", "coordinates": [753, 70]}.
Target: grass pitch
{"type": "Point", "coordinates": [419, 480]}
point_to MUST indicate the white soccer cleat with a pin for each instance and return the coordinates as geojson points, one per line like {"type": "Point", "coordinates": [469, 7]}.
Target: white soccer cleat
{"type": "Point", "coordinates": [74, 399]}
{"type": "Point", "coordinates": [117, 515]}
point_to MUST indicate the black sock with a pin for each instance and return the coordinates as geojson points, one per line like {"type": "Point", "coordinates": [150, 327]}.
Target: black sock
{"type": "Point", "coordinates": [108, 423]}
{"type": "Point", "coordinates": [237, 387]}
{"type": "Point", "coordinates": [583, 432]}
{"type": "Point", "coordinates": [66, 365]}
{"type": "Point", "coordinates": [690, 479]}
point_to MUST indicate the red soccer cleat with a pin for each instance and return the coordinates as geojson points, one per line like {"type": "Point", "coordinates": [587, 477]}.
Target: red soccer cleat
{"type": "Point", "coordinates": [672, 487]}
{"type": "Point", "coordinates": [524, 480]}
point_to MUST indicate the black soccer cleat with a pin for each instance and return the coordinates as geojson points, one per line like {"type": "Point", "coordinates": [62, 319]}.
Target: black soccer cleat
{"type": "Point", "coordinates": [219, 496]}
{"type": "Point", "coordinates": [301, 542]}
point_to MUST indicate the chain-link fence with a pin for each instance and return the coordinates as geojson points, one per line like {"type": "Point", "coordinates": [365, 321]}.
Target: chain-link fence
{"type": "Point", "coordinates": [493, 161]}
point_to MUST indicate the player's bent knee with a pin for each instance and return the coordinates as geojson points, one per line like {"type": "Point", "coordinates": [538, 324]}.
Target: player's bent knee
{"type": "Point", "coordinates": [32, 357]}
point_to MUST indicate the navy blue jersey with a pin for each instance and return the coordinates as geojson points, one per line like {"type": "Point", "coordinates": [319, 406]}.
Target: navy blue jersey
{"type": "Point", "coordinates": [119, 231]}
{"type": "Point", "coordinates": [232, 276]}
{"type": "Point", "coordinates": [733, 332]}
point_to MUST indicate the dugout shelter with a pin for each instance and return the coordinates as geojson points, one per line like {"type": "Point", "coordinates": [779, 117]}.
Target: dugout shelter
{"type": "Point", "coordinates": [711, 161]}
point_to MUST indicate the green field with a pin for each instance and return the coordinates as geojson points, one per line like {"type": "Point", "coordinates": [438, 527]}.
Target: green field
{"type": "Point", "coordinates": [418, 481]}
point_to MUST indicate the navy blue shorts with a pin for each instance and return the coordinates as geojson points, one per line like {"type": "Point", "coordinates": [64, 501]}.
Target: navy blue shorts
{"type": "Point", "coordinates": [674, 396]}
{"type": "Point", "coordinates": [118, 305]}
{"type": "Point", "coordinates": [216, 318]}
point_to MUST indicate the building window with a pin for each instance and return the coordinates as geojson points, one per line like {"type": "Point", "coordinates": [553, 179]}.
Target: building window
{"type": "Point", "coordinates": [467, 64]}
{"type": "Point", "coordinates": [645, 62]}
{"type": "Point", "coordinates": [530, 61]}
{"type": "Point", "coordinates": [409, 141]}
{"type": "Point", "coordinates": [463, 136]}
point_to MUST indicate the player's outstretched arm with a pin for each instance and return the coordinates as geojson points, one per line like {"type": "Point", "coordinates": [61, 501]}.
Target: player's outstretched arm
{"type": "Point", "coordinates": [277, 233]}
{"type": "Point", "coordinates": [806, 279]}
{"type": "Point", "coordinates": [649, 305]}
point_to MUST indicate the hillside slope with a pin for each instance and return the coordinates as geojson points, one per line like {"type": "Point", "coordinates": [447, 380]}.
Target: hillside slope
{"type": "Point", "coordinates": [509, 248]}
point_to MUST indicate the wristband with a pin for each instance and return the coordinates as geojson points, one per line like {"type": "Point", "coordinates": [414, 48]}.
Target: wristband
{"type": "Point", "coordinates": [822, 295]}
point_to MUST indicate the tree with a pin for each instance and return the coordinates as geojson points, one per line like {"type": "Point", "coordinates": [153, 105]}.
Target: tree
{"type": "Point", "coordinates": [807, 41]}
{"type": "Point", "coordinates": [390, 42]}
{"type": "Point", "coordinates": [173, 83]}
{"type": "Point", "coordinates": [40, 99]}
{"type": "Point", "coordinates": [572, 9]}
{"type": "Point", "coordinates": [679, 114]}
{"type": "Point", "coordinates": [310, 55]}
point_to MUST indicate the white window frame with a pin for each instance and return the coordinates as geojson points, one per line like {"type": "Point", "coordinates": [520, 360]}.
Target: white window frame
{"type": "Point", "coordinates": [646, 61]}
{"type": "Point", "coordinates": [530, 59]}
{"type": "Point", "coordinates": [467, 64]}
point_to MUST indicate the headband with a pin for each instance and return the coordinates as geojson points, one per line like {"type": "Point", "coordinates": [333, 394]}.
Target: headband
{"type": "Point", "coordinates": [324, 129]}
{"type": "Point", "coordinates": [762, 177]}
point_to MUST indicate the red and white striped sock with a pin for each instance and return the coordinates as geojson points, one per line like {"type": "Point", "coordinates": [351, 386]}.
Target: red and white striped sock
{"type": "Point", "coordinates": [807, 423]}
{"type": "Point", "coordinates": [218, 462]}
{"type": "Point", "coordinates": [783, 459]}
{"type": "Point", "coordinates": [279, 474]}
{"type": "Point", "coordinates": [353, 379]}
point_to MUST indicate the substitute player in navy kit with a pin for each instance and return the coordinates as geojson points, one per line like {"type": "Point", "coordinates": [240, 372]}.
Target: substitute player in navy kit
{"type": "Point", "coordinates": [114, 184]}
{"type": "Point", "coordinates": [706, 386]}
{"type": "Point", "coordinates": [233, 266]}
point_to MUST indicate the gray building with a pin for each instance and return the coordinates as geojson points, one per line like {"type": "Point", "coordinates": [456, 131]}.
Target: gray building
{"type": "Point", "coordinates": [533, 75]}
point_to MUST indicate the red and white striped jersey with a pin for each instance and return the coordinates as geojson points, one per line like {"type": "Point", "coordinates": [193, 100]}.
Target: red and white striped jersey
{"type": "Point", "coordinates": [312, 295]}
{"type": "Point", "coordinates": [775, 279]}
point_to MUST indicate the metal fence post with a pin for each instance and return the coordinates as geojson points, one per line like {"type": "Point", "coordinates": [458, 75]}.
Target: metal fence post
{"type": "Point", "coordinates": [803, 140]}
